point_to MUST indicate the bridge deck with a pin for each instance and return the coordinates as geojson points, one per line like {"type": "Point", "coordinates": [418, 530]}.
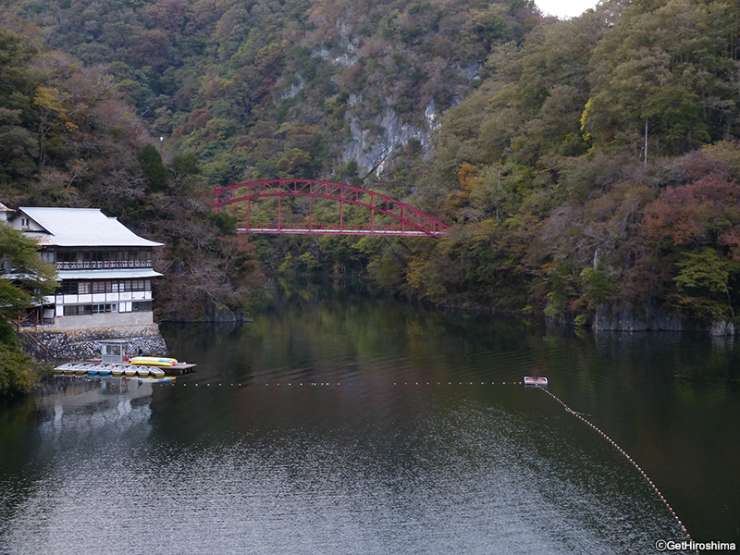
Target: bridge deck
{"type": "Point", "coordinates": [386, 216]}
{"type": "Point", "coordinates": [337, 231]}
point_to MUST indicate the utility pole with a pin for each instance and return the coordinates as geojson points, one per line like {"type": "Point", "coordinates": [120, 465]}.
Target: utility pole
{"type": "Point", "coordinates": [646, 142]}
{"type": "Point", "coordinates": [498, 199]}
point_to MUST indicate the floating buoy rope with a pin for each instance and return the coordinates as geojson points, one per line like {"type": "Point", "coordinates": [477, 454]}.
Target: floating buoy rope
{"type": "Point", "coordinates": [253, 384]}
{"type": "Point", "coordinates": [626, 455]}
{"type": "Point", "coordinates": [578, 415]}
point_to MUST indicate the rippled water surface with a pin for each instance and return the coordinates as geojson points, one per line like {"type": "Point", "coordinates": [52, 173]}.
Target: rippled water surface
{"type": "Point", "coordinates": [385, 448]}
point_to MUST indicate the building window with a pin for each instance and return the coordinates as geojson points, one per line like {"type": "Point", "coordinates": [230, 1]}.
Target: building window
{"type": "Point", "coordinates": [88, 287]}
{"type": "Point", "coordinates": [139, 285]}
{"type": "Point", "coordinates": [142, 307]}
{"type": "Point", "coordinates": [96, 259]}
{"type": "Point", "coordinates": [69, 288]}
{"type": "Point", "coordinates": [121, 286]}
{"type": "Point", "coordinates": [87, 309]}
{"type": "Point", "coordinates": [77, 310]}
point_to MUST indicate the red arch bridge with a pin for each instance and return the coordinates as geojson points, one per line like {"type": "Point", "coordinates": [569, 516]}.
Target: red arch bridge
{"type": "Point", "coordinates": [288, 207]}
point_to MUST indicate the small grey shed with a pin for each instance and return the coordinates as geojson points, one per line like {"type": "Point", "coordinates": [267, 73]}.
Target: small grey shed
{"type": "Point", "coordinates": [113, 351]}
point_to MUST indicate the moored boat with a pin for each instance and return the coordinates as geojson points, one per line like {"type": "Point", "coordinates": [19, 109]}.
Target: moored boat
{"type": "Point", "coordinates": [153, 361]}
{"type": "Point", "coordinates": [535, 380]}
{"type": "Point", "coordinates": [116, 364]}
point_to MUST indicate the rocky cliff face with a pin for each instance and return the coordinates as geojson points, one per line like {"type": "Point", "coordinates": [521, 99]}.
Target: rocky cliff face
{"type": "Point", "coordinates": [630, 318]}
{"type": "Point", "coordinates": [372, 144]}
{"type": "Point", "coordinates": [377, 128]}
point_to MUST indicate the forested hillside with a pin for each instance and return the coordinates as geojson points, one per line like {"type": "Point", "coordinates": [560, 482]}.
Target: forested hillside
{"type": "Point", "coordinates": [295, 87]}
{"type": "Point", "coordinates": [68, 138]}
{"type": "Point", "coordinates": [565, 205]}
{"type": "Point", "coordinates": [590, 166]}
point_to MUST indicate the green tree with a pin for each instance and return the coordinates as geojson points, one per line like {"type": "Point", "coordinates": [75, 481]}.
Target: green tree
{"type": "Point", "coordinates": [18, 144]}
{"type": "Point", "coordinates": [154, 170]}
{"type": "Point", "coordinates": [597, 285]}
{"type": "Point", "coordinates": [669, 64]}
{"type": "Point", "coordinates": [25, 279]}
{"type": "Point", "coordinates": [17, 375]}
{"type": "Point", "coordinates": [703, 283]}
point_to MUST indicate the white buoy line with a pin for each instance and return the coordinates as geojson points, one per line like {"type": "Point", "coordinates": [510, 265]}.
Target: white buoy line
{"type": "Point", "coordinates": [579, 416]}
{"type": "Point", "coordinates": [626, 455]}
{"type": "Point", "coordinates": [257, 384]}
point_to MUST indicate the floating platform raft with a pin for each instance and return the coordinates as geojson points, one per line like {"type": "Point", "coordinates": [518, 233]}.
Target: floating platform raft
{"type": "Point", "coordinates": [540, 381]}
{"type": "Point", "coordinates": [95, 368]}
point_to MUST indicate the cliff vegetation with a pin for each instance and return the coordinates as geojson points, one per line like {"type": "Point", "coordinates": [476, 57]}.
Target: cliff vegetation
{"type": "Point", "coordinates": [589, 167]}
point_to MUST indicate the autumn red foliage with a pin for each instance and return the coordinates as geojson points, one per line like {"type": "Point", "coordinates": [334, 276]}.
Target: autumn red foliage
{"type": "Point", "coordinates": [704, 212]}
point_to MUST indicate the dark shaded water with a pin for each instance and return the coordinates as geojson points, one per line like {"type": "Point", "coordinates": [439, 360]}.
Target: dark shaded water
{"type": "Point", "coordinates": [372, 467]}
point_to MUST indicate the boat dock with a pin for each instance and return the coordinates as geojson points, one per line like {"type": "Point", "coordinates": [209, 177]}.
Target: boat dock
{"type": "Point", "coordinates": [97, 368]}
{"type": "Point", "coordinates": [115, 362]}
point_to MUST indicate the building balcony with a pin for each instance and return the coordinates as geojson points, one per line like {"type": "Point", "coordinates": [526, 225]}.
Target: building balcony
{"type": "Point", "coordinates": [103, 264]}
{"type": "Point", "coordinates": [98, 298]}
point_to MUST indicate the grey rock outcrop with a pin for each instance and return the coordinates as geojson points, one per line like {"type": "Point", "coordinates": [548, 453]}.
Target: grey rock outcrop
{"type": "Point", "coordinates": [370, 146]}
{"type": "Point", "coordinates": [626, 317]}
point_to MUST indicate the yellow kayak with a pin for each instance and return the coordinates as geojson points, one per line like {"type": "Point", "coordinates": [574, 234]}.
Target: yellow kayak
{"type": "Point", "coordinates": [152, 361]}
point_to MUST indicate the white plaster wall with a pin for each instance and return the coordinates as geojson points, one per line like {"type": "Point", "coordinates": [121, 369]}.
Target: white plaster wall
{"type": "Point", "coordinates": [109, 320]}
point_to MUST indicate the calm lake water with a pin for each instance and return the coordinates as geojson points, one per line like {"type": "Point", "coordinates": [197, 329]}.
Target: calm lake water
{"type": "Point", "coordinates": [366, 466]}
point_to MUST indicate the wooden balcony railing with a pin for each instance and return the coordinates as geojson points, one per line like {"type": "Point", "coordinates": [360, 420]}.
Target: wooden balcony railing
{"type": "Point", "coordinates": [103, 264]}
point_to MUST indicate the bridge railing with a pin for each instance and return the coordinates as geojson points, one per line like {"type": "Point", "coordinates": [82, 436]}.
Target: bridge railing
{"type": "Point", "coordinates": [404, 217]}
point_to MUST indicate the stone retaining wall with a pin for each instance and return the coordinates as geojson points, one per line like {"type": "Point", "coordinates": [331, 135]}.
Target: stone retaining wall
{"type": "Point", "coordinates": [83, 344]}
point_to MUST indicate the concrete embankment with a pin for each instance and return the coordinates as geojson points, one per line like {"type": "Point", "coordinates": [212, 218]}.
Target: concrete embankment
{"type": "Point", "coordinates": [83, 344]}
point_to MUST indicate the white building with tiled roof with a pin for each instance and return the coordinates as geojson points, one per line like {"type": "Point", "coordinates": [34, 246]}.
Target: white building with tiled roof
{"type": "Point", "coordinates": [104, 269]}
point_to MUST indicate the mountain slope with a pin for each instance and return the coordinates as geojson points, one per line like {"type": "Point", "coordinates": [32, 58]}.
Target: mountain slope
{"type": "Point", "coordinates": [298, 87]}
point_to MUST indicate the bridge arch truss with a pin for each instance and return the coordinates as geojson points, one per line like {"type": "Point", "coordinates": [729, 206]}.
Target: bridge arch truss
{"type": "Point", "coordinates": [387, 216]}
